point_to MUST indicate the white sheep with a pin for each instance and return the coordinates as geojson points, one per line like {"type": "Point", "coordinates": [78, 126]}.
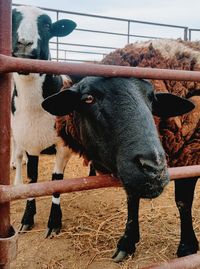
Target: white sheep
{"type": "Point", "coordinates": [33, 129]}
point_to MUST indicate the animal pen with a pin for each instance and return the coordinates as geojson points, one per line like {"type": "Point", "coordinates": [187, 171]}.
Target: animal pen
{"type": "Point", "coordinates": [8, 193]}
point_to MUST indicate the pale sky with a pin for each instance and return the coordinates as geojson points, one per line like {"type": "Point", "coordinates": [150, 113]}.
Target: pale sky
{"type": "Point", "coordinates": [179, 12]}
{"type": "Point", "coordinates": [176, 12]}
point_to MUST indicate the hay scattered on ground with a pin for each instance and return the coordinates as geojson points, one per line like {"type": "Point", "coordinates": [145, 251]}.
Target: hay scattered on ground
{"type": "Point", "coordinates": [93, 221]}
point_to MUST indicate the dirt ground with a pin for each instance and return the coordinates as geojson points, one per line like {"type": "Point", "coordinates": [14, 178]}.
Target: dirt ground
{"type": "Point", "coordinates": [93, 221]}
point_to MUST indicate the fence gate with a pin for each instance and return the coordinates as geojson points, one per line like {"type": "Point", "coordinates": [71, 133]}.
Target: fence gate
{"type": "Point", "coordinates": [8, 236]}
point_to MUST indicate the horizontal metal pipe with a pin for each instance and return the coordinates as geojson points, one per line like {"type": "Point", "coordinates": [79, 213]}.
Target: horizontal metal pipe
{"type": "Point", "coordinates": [83, 45]}
{"type": "Point", "coordinates": [184, 172]}
{"type": "Point", "coordinates": [109, 18]}
{"type": "Point", "coordinates": [188, 262]}
{"type": "Point", "coordinates": [194, 29]}
{"type": "Point", "coordinates": [100, 32]}
{"type": "Point", "coordinates": [10, 64]}
{"type": "Point", "coordinates": [78, 51]}
{"type": "Point", "coordinates": [10, 193]}
{"type": "Point", "coordinates": [71, 60]}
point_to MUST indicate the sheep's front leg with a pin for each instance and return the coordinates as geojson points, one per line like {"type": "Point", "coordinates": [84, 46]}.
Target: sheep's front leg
{"type": "Point", "coordinates": [184, 194]}
{"type": "Point", "coordinates": [92, 171]}
{"type": "Point", "coordinates": [55, 218]}
{"type": "Point", "coordinates": [126, 244]}
{"type": "Point", "coordinates": [17, 162]}
{"type": "Point", "coordinates": [30, 210]}
{"type": "Point", "coordinates": [13, 153]}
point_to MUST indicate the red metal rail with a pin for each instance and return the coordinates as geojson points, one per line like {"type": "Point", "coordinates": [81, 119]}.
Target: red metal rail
{"type": "Point", "coordinates": [8, 193]}
{"type": "Point", "coordinates": [9, 64]}
{"type": "Point", "coordinates": [5, 48]}
{"type": "Point", "coordinates": [189, 262]}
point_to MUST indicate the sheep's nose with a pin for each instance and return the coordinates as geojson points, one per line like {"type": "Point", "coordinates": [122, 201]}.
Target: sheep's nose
{"type": "Point", "coordinates": [153, 165]}
{"type": "Point", "coordinates": [24, 43]}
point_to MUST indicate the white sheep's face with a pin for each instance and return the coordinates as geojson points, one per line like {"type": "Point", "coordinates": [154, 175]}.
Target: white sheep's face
{"type": "Point", "coordinates": [31, 31]}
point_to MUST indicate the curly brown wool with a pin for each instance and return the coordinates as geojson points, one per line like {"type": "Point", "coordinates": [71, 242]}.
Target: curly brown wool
{"type": "Point", "coordinates": [180, 136]}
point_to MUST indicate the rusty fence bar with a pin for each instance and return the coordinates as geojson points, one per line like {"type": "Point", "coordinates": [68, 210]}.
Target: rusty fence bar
{"type": "Point", "coordinates": [5, 117]}
{"type": "Point", "coordinates": [10, 193]}
{"type": "Point", "coordinates": [8, 237]}
{"type": "Point", "coordinates": [188, 262]}
{"type": "Point", "coordinates": [10, 64]}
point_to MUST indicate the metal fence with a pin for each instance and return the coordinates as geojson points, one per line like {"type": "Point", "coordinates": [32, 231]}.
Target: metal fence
{"type": "Point", "coordinates": [91, 43]}
{"type": "Point", "coordinates": [8, 241]}
{"type": "Point", "coordinates": [193, 34]}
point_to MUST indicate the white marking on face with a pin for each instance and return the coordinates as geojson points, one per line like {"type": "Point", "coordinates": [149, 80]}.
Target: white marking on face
{"type": "Point", "coordinates": [30, 199]}
{"type": "Point", "coordinates": [55, 200]}
{"type": "Point", "coordinates": [159, 160]}
{"type": "Point", "coordinates": [28, 28]}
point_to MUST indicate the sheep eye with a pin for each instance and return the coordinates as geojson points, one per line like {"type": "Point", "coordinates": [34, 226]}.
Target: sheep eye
{"type": "Point", "coordinates": [89, 99]}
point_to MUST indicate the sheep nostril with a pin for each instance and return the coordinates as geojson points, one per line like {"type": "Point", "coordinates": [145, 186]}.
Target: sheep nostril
{"type": "Point", "coordinates": [20, 43]}
{"type": "Point", "coordinates": [146, 164]}
{"type": "Point", "coordinates": [29, 44]}
{"type": "Point", "coordinates": [150, 166]}
{"type": "Point", "coordinates": [24, 43]}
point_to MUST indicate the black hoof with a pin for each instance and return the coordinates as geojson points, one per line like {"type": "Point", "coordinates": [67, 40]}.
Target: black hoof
{"type": "Point", "coordinates": [119, 255]}
{"type": "Point", "coordinates": [55, 221]}
{"type": "Point", "coordinates": [28, 217]}
{"type": "Point", "coordinates": [125, 248]}
{"type": "Point", "coordinates": [186, 249]}
{"type": "Point", "coordinates": [25, 227]}
{"type": "Point", "coordinates": [52, 232]}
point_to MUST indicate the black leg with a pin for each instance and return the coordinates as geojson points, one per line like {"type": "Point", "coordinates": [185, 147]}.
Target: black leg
{"type": "Point", "coordinates": [92, 170]}
{"type": "Point", "coordinates": [55, 218]}
{"type": "Point", "coordinates": [30, 210]}
{"type": "Point", "coordinates": [126, 244]}
{"type": "Point", "coordinates": [54, 225]}
{"type": "Point", "coordinates": [184, 194]}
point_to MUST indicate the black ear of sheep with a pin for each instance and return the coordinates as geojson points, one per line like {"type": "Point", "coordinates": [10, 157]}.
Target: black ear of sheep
{"type": "Point", "coordinates": [169, 105]}
{"type": "Point", "coordinates": [62, 103]}
{"type": "Point", "coordinates": [62, 28]}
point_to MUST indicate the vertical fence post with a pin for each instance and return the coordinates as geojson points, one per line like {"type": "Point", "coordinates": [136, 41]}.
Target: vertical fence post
{"type": "Point", "coordinates": [190, 34]}
{"type": "Point", "coordinates": [65, 55]}
{"type": "Point", "coordinates": [186, 33]}
{"type": "Point", "coordinates": [128, 34]}
{"type": "Point", "coordinates": [5, 85]}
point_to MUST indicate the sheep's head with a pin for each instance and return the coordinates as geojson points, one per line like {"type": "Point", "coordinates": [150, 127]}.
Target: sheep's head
{"type": "Point", "coordinates": [116, 127]}
{"type": "Point", "coordinates": [32, 29]}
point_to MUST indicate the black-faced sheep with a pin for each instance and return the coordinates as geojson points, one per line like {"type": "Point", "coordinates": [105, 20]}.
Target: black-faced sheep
{"type": "Point", "coordinates": [33, 129]}
{"type": "Point", "coordinates": [109, 121]}
{"type": "Point", "coordinates": [180, 136]}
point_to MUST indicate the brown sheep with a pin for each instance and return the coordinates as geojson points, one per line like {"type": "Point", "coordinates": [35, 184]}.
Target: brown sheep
{"type": "Point", "coordinates": [180, 136]}
{"type": "Point", "coordinates": [109, 121]}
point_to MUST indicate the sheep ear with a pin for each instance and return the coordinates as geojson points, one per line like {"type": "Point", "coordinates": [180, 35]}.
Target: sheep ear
{"type": "Point", "coordinates": [169, 105]}
{"type": "Point", "coordinates": [62, 103]}
{"type": "Point", "coordinates": [62, 28]}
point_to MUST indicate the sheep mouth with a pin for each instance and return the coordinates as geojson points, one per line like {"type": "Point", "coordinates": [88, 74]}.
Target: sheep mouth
{"type": "Point", "coordinates": [150, 191]}
{"type": "Point", "coordinates": [152, 188]}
